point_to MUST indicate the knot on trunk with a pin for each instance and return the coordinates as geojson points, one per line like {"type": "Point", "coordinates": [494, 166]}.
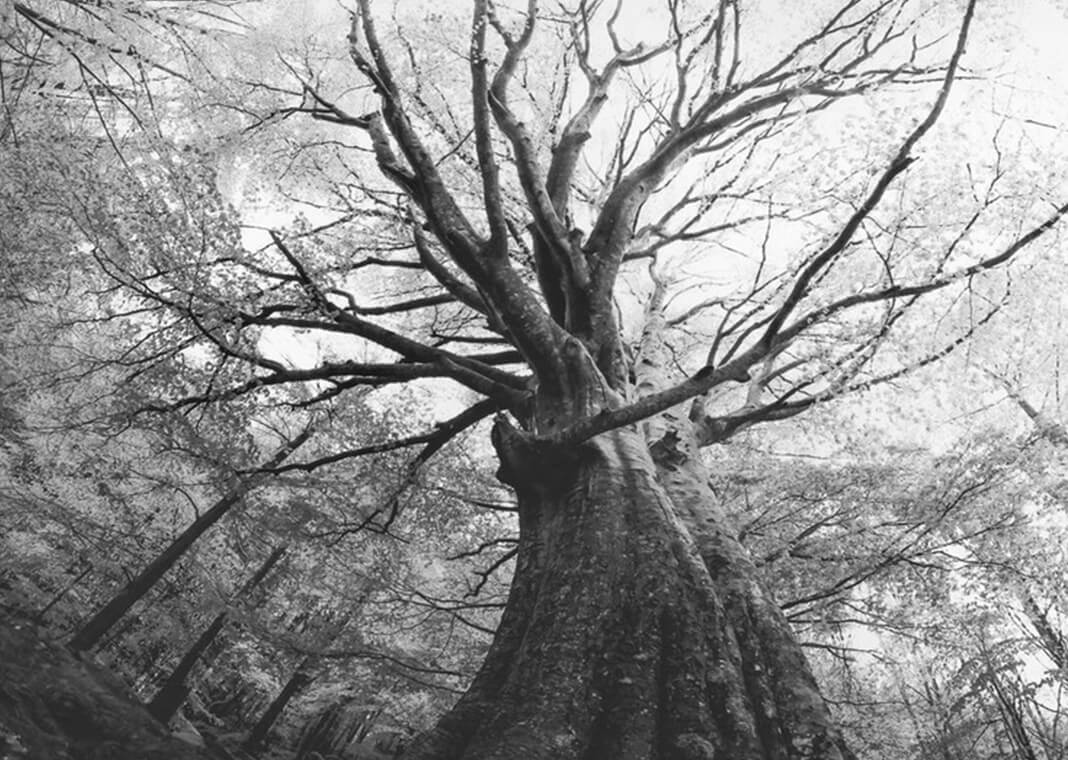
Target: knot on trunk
{"type": "Point", "coordinates": [693, 747]}
{"type": "Point", "coordinates": [532, 464]}
{"type": "Point", "coordinates": [667, 452]}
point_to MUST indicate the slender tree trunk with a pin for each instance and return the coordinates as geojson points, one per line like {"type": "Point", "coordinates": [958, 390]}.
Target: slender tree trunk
{"type": "Point", "coordinates": [39, 617]}
{"type": "Point", "coordinates": [636, 626]}
{"type": "Point", "coordinates": [296, 684]}
{"type": "Point", "coordinates": [1011, 718]}
{"type": "Point", "coordinates": [320, 734]}
{"type": "Point", "coordinates": [330, 732]}
{"type": "Point", "coordinates": [174, 691]}
{"type": "Point", "coordinates": [1052, 641]}
{"type": "Point", "coordinates": [102, 621]}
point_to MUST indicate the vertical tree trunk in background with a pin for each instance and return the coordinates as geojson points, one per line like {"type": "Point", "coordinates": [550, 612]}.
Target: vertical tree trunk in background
{"type": "Point", "coordinates": [102, 621]}
{"type": "Point", "coordinates": [334, 729]}
{"type": "Point", "coordinates": [296, 684]}
{"type": "Point", "coordinates": [174, 690]}
{"type": "Point", "coordinates": [320, 734]}
{"type": "Point", "coordinates": [1051, 640]}
{"type": "Point", "coordinates": [1013, 721]}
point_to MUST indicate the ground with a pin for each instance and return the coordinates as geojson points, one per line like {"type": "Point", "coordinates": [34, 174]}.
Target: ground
{"type": "Point", "coordinates": [57, 706]}
{"type": "Point", "coordinates": [54, 706]}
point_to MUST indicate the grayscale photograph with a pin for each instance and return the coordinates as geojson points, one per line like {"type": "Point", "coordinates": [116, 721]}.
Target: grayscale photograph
{"type": "Point", "coordinates": [533, 380]}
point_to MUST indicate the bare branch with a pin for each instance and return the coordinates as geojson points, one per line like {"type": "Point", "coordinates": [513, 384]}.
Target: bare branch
{"type": "Point", "coordinates": [898, 164]}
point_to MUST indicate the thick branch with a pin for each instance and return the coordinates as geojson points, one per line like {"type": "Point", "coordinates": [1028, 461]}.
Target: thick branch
{"type": "Point", "coordinates": [499, 283]}
{"type": "Point", "coordinates": [432, 440]}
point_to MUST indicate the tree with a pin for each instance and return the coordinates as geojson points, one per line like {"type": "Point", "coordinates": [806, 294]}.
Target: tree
{"type": "Point", "coordinates": [636, 625]}
{"type": "Point", "coordinates": [175, 689]}
{"type": "Point", "coordinates": [118, 605]}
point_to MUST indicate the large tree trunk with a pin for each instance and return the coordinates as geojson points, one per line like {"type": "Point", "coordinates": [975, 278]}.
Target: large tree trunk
{"type": "Point", "coordinates": [636, 626]}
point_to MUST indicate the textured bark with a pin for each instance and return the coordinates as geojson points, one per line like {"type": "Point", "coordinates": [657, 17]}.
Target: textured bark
{"type": "Point", "coordinates": [623, 636]}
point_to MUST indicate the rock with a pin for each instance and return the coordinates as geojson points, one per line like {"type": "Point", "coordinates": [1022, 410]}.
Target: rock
{"type": "Point", "coordinates": [54, 705]}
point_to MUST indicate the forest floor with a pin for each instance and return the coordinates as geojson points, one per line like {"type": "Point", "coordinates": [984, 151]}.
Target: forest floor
{"type": "Point", "coordinates": [55, 706]}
